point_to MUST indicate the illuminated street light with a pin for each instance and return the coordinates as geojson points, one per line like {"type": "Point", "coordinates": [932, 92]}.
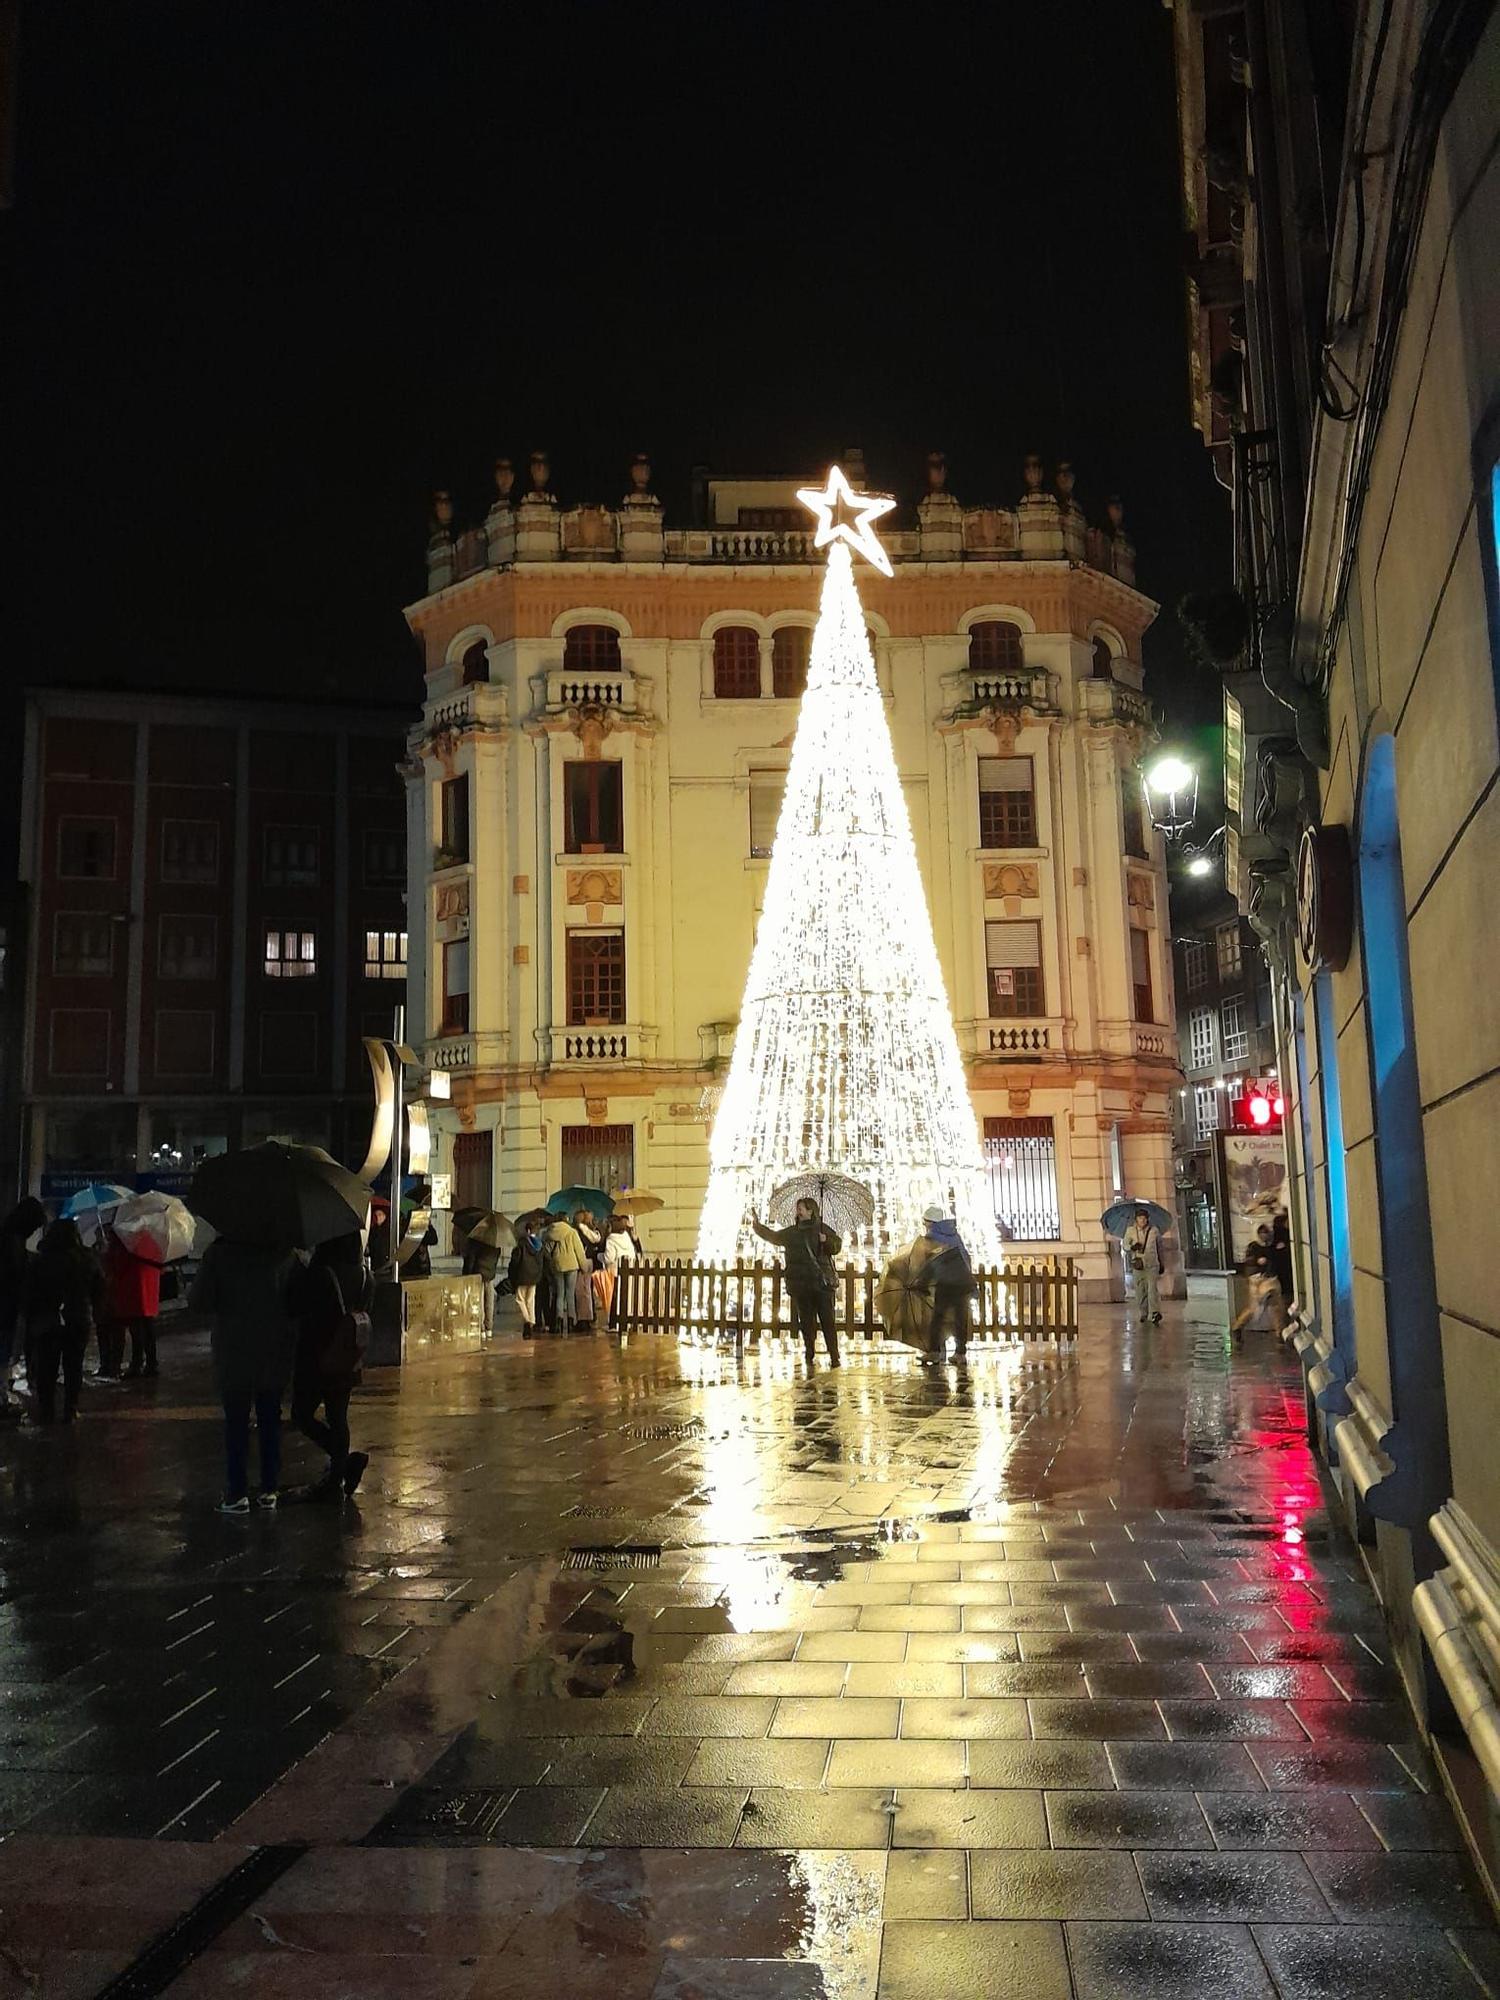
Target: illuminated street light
{"type": "Point", "coordinates": [1200, 865]}
{"type": "Point", "coordinates": [1172, 789]}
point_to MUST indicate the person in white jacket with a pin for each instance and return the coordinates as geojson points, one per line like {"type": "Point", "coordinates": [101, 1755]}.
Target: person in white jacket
{"type": "Point", "coordinates": [619, 1248]}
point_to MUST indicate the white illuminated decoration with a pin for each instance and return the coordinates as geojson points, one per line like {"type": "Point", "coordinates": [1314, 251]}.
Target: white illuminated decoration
{"type": "Point", "coordinates": [845, 1059]}
{"type": "Point", "coordinates": [834, 505]}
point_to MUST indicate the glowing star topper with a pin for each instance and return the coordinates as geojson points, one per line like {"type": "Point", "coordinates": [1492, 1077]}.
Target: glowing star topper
{"type": "Point", "coordinates": [845, 516]}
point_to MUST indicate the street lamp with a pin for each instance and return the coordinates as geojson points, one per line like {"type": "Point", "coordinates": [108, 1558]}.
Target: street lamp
{"type": "Point", "coordinates": [1172, 789]}
{"type": "Point", "coordinates": [1199, 861]}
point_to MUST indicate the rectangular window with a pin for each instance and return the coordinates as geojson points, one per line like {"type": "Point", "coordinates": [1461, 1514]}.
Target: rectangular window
{"type": "Point", "coordinates": [1227, 949]}
{"type": "Point", "coordinates": [291, 954]}
{"type": "Point", "coordinates": [594, 807]}
{"type": "Point", "coordinates": [1201, 1038]}
{"type": "Point", "coordinates": [1133, 816]}
{"type": "Point", "coordinates": [187, 948]}
{"type": "Point", "coordinates": [1020, 1155]}
{"type": "Point", "coordinates": [1194, 965]}
{"type": "Point", "coordinates": [291, 857]}
{"type": "Point", "coordinates": [601, 1156]}
{"type": "Point", "coordinates": [767, 789]}
{"type": "Point", "coordinates": [455, 820]}
{"type": "Point", "coordinates": [83, 944]}
{"type": "Point", "coordinates": [86, 850]}
{"type": "Point", "coordinates": [1140, 974]}
{"type": "Point", "coordinates": [190, 851]}
{"type": "Point", "coordinates": [1013, 960]}
{"type": "Point", "coordinates": [385, 858]}
{"type": "Point", "coordinates": [1235, 1031]}
{"type": "Point", "coordinates": [184, 1042]}
{"type": "Point", "coordinates": [1007, 802]}
{"type": "Point", "coordinates": [455, 987]}
{"type": "Point", "coordinates": [1206, 1110]}
{"type": "Point", "coordinates": [385, 954]}
{"type": "Point", "coordinates": [596, 978]}
{"type": "Point", "coordinates": [791, 650]}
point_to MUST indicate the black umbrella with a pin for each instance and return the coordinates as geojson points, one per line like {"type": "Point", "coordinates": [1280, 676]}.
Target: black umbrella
{"type": "Point", "coordinates": [289, 1197]}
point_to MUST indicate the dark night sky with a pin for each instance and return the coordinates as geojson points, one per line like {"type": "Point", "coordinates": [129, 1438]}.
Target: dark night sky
{"type": "Point", "coordinates": [273, 271]}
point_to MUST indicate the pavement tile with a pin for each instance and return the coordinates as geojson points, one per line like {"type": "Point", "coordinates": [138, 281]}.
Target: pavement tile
{"type": "Point", "coordinates": [867, 1762]}
{"type": "Point", "coordinates": [1098, 1721]}
{"type": "Point", "coordinates": [926, 1818]}
{"type": "Point", "coordinates": [1078, 1884]}
{"type": "Point", "coordinates": [1126, 1819]}
{"type": "Point", "coordinates": [1298, 1681]}
{"type": "Point", "coordinates": [1232, 1720]}
{"type": "Point", "coordinates": [737, 1979]}
{"type": "Point", "coordinates": [1152, 1680]}
{"type": "Point", "coordinates": [787, 1677]}
{"type": "Point", "coordinates": [607, 1760]}
{"type": "Point", "coordinates": [1409, 1819]}
{"type": "Point", "coordinates": [1042, 1766]}
{"type": "Point", "coordinates": [1036, 1677]}
{"type": "Point", "coordinates": [846, 1817]}
{"type": "Point", "coordinates": [840, 1715]}
{"type": "Point", "coordinates": [964, 1719]}
{"type": "Point", "coordinates": [1400, 1889]}
{"type": "Point", "coordinates": [1347, 1767]}
{"type": "Point", "coordinates": [1230, 1888]}
{"type": "Point", "coordinates": [989, 1648]}
{"type": "Point", "coordinates": [1301, 1820]}
{"type": "Point", "coordinates": [909, 1618]}
{"type": "Point", "coordinates": [547, 1816]}
{"type": "Point", "coordinates": [729, 1760]}
{"type": "Point", "coordinates": [917, 1677]}
{"type": "Point", "coordinates": [982, 1961]}
{"type": "Point", "coordinates": [711, 1715]}
{"type": "Point", "coordinates": [1165, 1962]}
{"type": "Point", "coordinates": [667, 1816]}
{"type": "Point", "coordinates": [927, 1884]}
{"type": "Point", "coordinates": [865, 1647]}
{"type": "Point", "coordinates": [1356, 1721]}
{"type": "Point", "coordinates": [1319, 1962]}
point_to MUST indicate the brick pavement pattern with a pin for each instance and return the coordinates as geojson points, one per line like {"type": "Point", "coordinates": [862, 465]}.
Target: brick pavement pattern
{"type": "Point", "coordinates": [1035, 1679]}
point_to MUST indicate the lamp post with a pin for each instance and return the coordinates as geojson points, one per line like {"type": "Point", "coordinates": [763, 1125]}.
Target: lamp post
{"type": "Point", "coordinates": [1172, 792]}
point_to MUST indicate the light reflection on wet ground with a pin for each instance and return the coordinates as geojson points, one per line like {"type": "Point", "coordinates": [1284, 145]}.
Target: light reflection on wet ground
{"type": "Point", "coordinates": [1027, 1678]}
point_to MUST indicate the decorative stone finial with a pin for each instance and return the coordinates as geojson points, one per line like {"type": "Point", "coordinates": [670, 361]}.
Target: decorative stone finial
{"type": "Point", "coordinates": [505, 479]}
{"type": "Point", "coordinates": [853, 463]}
{"type": "Point", "coordinates": [640, 473]}
{"type": "Point", "coordinates": [1032, 473]}
{"type": "Point", "coordinates": [1114, 507]}
{"type": "Point", "coordinates": [541, 473]}
{"type": "Point", "coordinates": [937, 471]}
{"type": "Point", "coordinates": [442, 511]}
{"type": "Point", "coordinates": [1064, 480]}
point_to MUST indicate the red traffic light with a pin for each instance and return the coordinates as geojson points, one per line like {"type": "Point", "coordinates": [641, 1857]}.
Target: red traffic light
{"type": "Point", "coordinates": [1259, 1109]}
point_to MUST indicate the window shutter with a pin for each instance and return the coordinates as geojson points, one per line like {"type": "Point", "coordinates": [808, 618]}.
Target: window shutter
{"type": "Point", "coordinates": [1005, 774]}
{"type": "Point", "coordinates": [767, 788]}
{"type": "Point", "coordinates": [1012, 946]}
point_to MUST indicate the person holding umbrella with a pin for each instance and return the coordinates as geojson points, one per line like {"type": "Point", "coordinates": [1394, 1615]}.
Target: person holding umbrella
{"type": "Point", "coordinates": [942, 1261]}
{"type": "Point", "coordinates": [264, 1201]}
{"type": "Point", "coordinates": [527, 1270]}
{"type": "Point", "coordinates": [565, 1257]}
{"type": "Point", "coordinates": [811, 1283]}
{"type": "Point", "coordinates": [1143, 1261]}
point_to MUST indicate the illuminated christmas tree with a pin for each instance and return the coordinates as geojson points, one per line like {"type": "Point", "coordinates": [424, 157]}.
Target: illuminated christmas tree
{"type": "Point", "coordinates": [845, 1060]}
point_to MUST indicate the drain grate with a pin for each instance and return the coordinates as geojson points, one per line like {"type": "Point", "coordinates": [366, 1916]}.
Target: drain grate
{"type": "Point", "coordinates": [424, 1814]}
{"type": "Point", "coordinates": [665, 1431]}
{"type": "Point", "coordinates": [625, 1556]}
{"type": "Point", "coordinates": [597, 1513]}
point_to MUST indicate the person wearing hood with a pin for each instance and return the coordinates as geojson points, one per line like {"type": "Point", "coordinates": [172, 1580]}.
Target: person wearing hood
{"type": "Point", "coordinates": [527, 1270]}
{"type": "Point", "coordinates": [941, 1258]}
{"type": "Point", "coordinates": [62, 1295]}
{"type": "Point", "coordinates": [244, 1289]}
{"type": "Point", "coordinates": [565, 1257]}
{"type": "Point", "coordinates": [16, 1232]}
{"type": "Point", "coordinates": [133, 1300]}
{"type": "Point", "coordinates": [620, 1248]}
{"type": "Point", "coordinates": [811, 1282]}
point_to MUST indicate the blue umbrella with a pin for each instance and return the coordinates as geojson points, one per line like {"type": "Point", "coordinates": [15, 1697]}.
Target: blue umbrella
{"type": "Point", "coordinates": [1118, 1217]}
{"type": "Point", "coordinates": [568, 1200]}
{"type": "Point", "coordinates": [98, 1194]}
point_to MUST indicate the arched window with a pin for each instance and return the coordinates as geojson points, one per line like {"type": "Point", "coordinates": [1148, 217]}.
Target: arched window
{"type": "Point", "coordinates": [592, 649]}
{"type": "Point", "coordinates": [476, 663]}
{"type": "Point", "coordinates": [995, 647]}
{"type": "Point", "coordinates": [791, 647]}
{"type": "Point", "coordinates": [737, 663]}
{"type": "Point", "coordinates": [1104, 660]}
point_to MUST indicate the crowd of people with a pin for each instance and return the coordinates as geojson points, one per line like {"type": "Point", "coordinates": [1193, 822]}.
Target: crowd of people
{"type": "Point", "coordinates": [564, 1270]}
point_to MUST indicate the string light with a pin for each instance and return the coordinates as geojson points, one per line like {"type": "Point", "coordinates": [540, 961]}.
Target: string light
{"type": "Point", "coordinates": [845, 1060]}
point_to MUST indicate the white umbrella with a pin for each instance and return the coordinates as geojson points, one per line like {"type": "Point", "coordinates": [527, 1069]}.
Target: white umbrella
{"type": "Point", "coordinates": [155, 1226]}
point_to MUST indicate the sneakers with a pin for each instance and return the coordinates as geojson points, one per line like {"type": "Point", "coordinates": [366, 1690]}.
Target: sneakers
{"type": "Point", "coordinates": [268, 1501]}
{"type": "Point", "coordinates": [354, 1471]}
{"type": "Point", "coordinates": [239, 1506]}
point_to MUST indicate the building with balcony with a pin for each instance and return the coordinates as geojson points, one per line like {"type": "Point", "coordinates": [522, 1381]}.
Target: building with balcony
{"type": "Point", "coordinates": [1343, 192]}
{"type": "Point", "coordinates": [593, 792]}
{"type": "Point", "coordinates": [1226, 1041]}
{"type": "Point", "coordinates": [216, 902]}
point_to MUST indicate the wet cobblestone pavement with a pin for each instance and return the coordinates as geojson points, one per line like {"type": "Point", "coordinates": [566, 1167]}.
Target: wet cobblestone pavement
{"type": "Point", "coordinates": [661, 1676]}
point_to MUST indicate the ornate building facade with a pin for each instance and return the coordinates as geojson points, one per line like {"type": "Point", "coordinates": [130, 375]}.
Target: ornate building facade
{"type": "Point", "coordinates": [592, 799]}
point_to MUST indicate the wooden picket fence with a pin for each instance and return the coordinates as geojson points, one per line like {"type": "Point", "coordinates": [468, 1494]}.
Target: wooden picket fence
{"type": "Point", "coordinates": [1035, 1299]}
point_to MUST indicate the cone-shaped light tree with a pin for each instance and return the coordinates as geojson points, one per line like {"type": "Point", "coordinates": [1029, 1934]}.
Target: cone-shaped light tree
{"type": "Point", "coordinates": [845, 1059]}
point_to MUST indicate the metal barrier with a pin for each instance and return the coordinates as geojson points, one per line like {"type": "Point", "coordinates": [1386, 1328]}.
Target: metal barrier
{"type": "Point", "coordinates": [1032, 1299]}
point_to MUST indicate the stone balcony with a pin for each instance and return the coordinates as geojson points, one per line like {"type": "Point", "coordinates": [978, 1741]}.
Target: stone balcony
{"type": "Point", "coordinates": [483, 706]}
{"type": "Point", "coordinates": [561, 691]}
{"type": "Point", "coordinates": [1011, 1040]}
{"type": "Point", "coordinates": [1109, 702]}
{"type": "Point", "coordinates": [487, 1049]}
{"type": "Point", "coordinates": [1028, 690]}
{"type": "Point", "coordinates": [607, 1046]}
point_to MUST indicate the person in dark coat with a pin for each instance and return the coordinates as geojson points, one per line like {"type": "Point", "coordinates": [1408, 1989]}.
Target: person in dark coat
{"type": "Point", "coordinates": [17, 1230]}
{"type": "Point", "coordinates": [244, 1289]}
{"type": "Point", "coordinates": [62, 1294]}
{"type": "Point", "coordinates": [1281, 1252]}
{"type": "Point", "coordinates": [334, 1282]}
{"type": "Point", "coordinates": [482, 1261]}
{"type": "Point", "coordinates": [951, 1275]}
{"type": "Point", "coordinates": [526, 1272]}
{"type": "Point", "coordinates": [811, 1284]}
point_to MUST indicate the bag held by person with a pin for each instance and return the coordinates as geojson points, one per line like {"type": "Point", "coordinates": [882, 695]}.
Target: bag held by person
{"type": "Point", "coordinates": [348, 1339]}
